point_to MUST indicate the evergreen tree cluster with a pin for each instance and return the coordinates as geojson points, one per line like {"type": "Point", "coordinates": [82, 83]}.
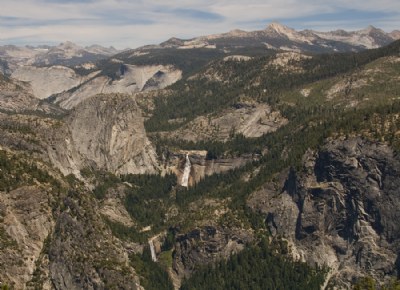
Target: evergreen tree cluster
{"type": "Point", "coordinates": [256, 268]}
{"type": "Point", "coordinates": [147, 199]}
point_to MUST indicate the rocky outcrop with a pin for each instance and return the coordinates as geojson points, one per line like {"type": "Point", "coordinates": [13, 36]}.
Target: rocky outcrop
{"type": "Point", "coordinates": [17, 56]}
{"type": "Point", "coordinates": [112, 207]}
{"type": "Point", "coordinates": [105, 132]}
{"type": "Point", "coordinates": [206, 245]}
{"type": "Point", "coordinates": [340, 210]}
{"type": "Point", "coordinates": [249, 119]}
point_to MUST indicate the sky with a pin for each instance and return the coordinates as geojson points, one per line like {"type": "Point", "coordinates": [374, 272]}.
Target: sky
{"type": "Point", "coordinates": [133, 23]}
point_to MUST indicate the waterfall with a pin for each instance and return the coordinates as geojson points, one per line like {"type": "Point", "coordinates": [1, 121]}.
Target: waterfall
{"type": "Point", "coordinates": [186, 172]}
{"type": "Point", "coordinates": [152, 251]}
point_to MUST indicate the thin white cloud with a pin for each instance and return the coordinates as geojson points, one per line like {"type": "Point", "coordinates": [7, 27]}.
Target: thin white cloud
{"type": "Point", "coordinates": [133, 23]}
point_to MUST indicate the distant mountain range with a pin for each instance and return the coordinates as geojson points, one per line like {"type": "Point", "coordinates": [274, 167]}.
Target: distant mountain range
{"type": "Point", "coordinates": [66, 53]}
{"type": "Point", "coordinates": [274, 37]}
{"type": "Point", "coordinates": [69, 73]}
{"type": "Point", "coordinates": [279, 37]}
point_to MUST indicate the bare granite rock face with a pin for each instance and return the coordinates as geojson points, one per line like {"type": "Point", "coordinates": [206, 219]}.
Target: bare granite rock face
{"type": "Point", "coordinates": [83, 254]}
{"type": "Point", "coordinates": [112, 207]}
{"type": "Point", "coordinates": [69, 89]}
{"type": "Point", "coordinates": [131, 79]}
{"type": "Point", "coordinates": [105, 132]}
{"type": "Point", "coordinates": [46, 81]}
{"type": "Point", "coordinates": [340, 210]}
{"type": "Point", "coordinates": [249, 119]}
{"type": "Point", "coordinates": [25, 222]}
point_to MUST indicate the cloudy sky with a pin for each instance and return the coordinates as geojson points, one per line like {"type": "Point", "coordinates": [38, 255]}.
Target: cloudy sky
{"type": "Point", "coordinates": [132, 23]}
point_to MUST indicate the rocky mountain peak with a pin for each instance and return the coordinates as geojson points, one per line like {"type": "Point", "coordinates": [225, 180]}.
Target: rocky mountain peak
{"type": "Point", "coordinates": [371, 30]}
{"type": "Point", "coordinates": [279, 28]}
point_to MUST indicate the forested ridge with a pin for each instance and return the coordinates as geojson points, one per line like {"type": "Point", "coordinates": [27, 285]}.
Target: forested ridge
{"type": "Point", "coordinates": [200, 96]}
{"type": "Point", "coordinates": [256, 268]}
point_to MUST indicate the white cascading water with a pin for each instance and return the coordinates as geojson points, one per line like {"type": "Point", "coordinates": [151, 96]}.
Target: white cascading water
{"type": "Point", "coordinates": [152, 251]}
{"type": "Point", "coordinates": [186, 172]}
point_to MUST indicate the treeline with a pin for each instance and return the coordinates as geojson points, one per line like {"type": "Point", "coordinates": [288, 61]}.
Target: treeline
{"type": "Point", "coordinates": [256, 268]}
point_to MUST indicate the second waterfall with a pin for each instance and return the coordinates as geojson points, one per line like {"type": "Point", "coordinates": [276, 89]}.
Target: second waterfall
{"type": "Point", "coordinates": [186, 172]}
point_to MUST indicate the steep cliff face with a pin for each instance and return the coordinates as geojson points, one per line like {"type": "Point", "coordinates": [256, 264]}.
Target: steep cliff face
{"type": "Point", "coordinates": [25, 222]}
{"type": "Point", "coordinates": [83, 254]}
{"type": "Point", "coordinates": [52, 232]}
{"type": "Point", "coordinates": [200, 165]}
{"type": "Point", "coordinates": [340, 210]}
{"type": "Point", "coordinates": [206, 245]}
{"type": "Point", "coordinates": [105, 132]}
